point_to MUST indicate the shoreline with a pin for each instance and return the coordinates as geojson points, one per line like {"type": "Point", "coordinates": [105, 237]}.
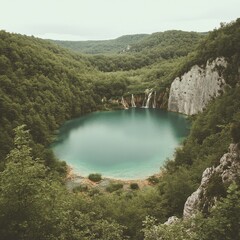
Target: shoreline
{"type": "Point", "coordinates": [77, 179]}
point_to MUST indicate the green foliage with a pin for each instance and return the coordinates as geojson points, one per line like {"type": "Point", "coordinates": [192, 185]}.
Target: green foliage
{"type": "Point", "coordinates": [215, 187]}
{"type": "Point", "coordinates": [153, 179]}
{"type": "Point", "coordinates": [43, 85]}
{"type": "Point", "coordinates": [209, 139]}
{"type": "Point", "coordinates": [174, 189]}
{"type": "Point", "coordinates": [235, 131]}
{"type": "Point", "coordinates": [151, 49]}
{"type": "Point", "coordinates": [25, 193]}
{"type": "Point", "coordinates": [222, 223]}
{"type": "Point", "coordinates": [35, 205]}
{"type": "Point", "coordinates": [95, 177]}
{"type": "Point", "coordinates": [117, 45]}
{"type": "Point", "coordinates": [224, 219]}
{"type": "Point", "coordinates": [114, 187]}
{"type": "Point", "coordinates": [178, 230]}
{"type": "Point", "coordinates": [222, 42]}
{"type": "Point", "coordinates": [134, 186]}
{"type": "Point", "coordinates": [81, 188]}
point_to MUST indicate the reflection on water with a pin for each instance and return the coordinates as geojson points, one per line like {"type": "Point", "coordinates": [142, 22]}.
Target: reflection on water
{"type": "Point", "coordinates": [123, 144]}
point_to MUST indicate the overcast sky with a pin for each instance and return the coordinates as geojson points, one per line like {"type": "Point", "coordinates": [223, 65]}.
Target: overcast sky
{"type": "Point", "coordinates": [107, 19]}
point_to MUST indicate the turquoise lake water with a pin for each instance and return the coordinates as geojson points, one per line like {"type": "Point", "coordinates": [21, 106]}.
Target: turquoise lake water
{"type": "Point", "coordinates": [126, 144]}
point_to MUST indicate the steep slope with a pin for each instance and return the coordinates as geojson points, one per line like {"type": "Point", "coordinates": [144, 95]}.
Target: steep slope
{"type": "Point", "coordinates": [204, 161]}
{"type": "Point", "coordinates": [192, 92]}
{"type": "Point", "coordinates": [154, 64]}
{"type": "Point", "coordinates": [193, 89]}
{"type": "Point", "coordinates": [214, 182]}
{"type": "Point", "coordinates": [219, 188]}
{"type": "Point", "coordinates": [211, 130]}
{"type": "Point", "coordinates": [42, 85]}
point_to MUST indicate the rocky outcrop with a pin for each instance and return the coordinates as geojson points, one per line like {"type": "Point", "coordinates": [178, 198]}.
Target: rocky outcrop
{"type": "Point", "coordinates": [171, 220]}
{"type": "Point", "coordinates": [228, 170]}
{"type": "Point", "coordinates": [192, 92]}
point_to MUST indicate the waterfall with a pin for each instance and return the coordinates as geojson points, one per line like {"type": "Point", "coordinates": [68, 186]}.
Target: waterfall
{"type": "Point", "coordinates": [148, 100]}
{"type": "Point", "coordinates": [124, 103]}
{"type": "Point", "coordinates": [154, 101]}
{"type": "Point", "coordinates": [133, 102]}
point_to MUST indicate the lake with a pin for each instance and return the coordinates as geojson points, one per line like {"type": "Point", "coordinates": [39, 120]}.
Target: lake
{"type": "Point", "coordinates": [126, 144]}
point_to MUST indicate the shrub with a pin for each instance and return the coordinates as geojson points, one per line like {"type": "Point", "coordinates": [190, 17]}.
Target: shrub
{"type": "Point", "coordinates": [95, 177]}
{"type": "Point", "coordinates": [93, 192]}
{"type": "Point", "coordinates": [81, 188]}
{"type": "Point", "coordinates": [134, 186]}
{"type": "Point", "coordinates": [216, 187]}
{"type": "Point", "coordinates": [153, 179]}
{"type": "Point", "coordinates": [114, 187]}
{"type": "Point", "coordinates": [235, 132]}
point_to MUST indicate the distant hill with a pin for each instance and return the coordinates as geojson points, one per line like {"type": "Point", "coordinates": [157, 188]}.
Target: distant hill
{"type": "Point", "coordinates": [117, 45]}
{"type": "Point", "coordinates": [172, 42]}
{"type": "Point", "coordinates": [165, 39]}
{"type": "Point", "coordinates": [167, 44]}
{"type": "Point", "coordinates": [151, 49]}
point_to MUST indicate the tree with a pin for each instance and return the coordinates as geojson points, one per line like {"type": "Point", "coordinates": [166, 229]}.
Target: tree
{"type": "Point", "coordinates": [26, 193]}
{"type": "Point", "coordinates": [224, 220]}
{"type": "Point", "coordinates": [35, 205]}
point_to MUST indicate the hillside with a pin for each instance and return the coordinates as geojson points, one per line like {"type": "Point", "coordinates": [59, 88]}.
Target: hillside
{"type": "Point", "coordinates": [118, 45]}
{"type": "Point", "coordinates": [43, 85]}
{"type": "Point", "coordinates": [211, 133]}
{"type": "Point", "coordinates": [137, 51]}
{"type": "Point", "coordinates": [155, 63]}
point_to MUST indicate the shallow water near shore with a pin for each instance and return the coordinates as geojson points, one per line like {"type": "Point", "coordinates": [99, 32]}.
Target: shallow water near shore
{"type": "Point", "coordinates": [125, 144]}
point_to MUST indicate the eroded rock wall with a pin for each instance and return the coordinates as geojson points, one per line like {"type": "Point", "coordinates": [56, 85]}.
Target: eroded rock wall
{"type": "Point", "coordinates": [192, 92]}
{"type": "Point", "coordinates": [228, 171]}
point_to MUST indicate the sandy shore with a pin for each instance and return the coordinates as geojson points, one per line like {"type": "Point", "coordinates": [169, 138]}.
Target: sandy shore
{"type": "Point", "coordinates": [77, 179]}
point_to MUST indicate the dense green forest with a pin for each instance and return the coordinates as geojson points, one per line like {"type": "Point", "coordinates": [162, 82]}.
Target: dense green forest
{"type": "Point", "coordinates": [42, 85]}
{"type": "Point", "coordinates": [118, 45]}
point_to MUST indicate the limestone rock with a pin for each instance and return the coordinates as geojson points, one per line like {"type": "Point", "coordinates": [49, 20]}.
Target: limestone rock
{"type": "Point", "coordinates": [192, 92]}
{"type": "Point", "coordinates": [228, 169]}
{"type": "Point", "coordinates": [193, 202]}
{"type": "Point", "coordinates": [171, 220]}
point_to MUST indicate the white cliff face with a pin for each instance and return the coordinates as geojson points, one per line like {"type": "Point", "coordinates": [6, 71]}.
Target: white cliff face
{"type": "Point", "coordinates": [191, 93]}
{"type": "Point", "coordinates": [228, 170]}
{"type": "Point", "coordinates": [193, 202]}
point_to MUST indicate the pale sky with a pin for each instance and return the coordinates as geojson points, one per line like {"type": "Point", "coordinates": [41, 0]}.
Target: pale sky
{"type": "Point", "coordinates": [108, 19]}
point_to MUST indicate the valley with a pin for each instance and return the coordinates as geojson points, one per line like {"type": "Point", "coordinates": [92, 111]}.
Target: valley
{"type": "Point", "coordinates": [44, 85]}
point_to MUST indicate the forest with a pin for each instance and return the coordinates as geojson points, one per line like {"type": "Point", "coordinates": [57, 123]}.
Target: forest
{"type": "Point", "coordinates": [42, 85]}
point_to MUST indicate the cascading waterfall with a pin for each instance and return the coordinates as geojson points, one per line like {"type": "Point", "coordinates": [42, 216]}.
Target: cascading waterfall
{"type": "Point", "coordinates": [133, 102]}
{"type": "Point", "coordinates": [124, 103]}
{"type": "Point", "coordinates": [147, 103]}
{"type": "Point", "coordinates": [154, 100]}
{"type": "Point", "coordinates": [148, 99]}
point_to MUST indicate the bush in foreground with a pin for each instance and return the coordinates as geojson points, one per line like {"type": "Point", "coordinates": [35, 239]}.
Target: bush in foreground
{"type": "Point", "coordinates": [134, 186]}
{"type": "Point", "coordinates": [95, 177]}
